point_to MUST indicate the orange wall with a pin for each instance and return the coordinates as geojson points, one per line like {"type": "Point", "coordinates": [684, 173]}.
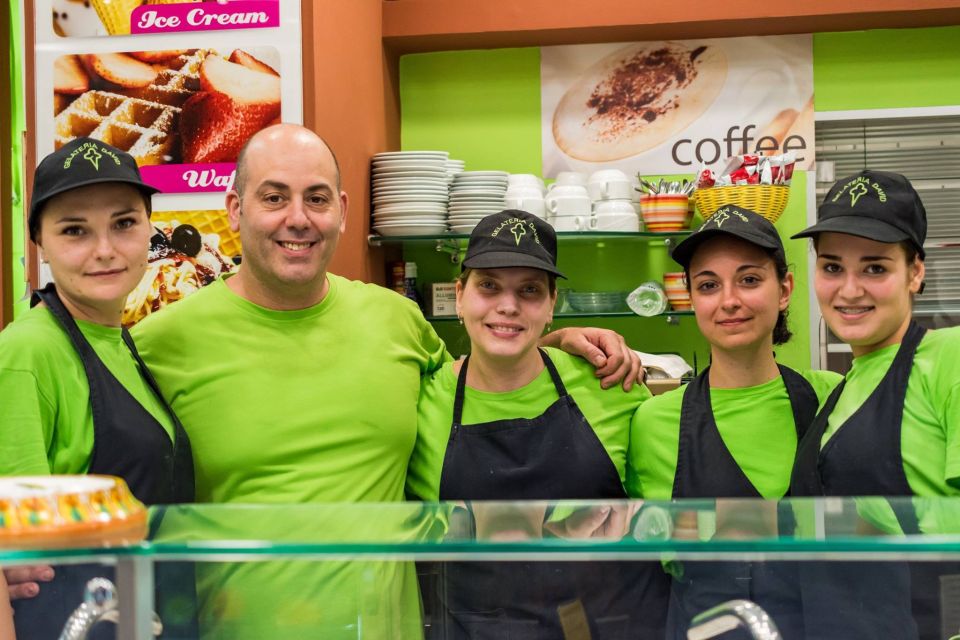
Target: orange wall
{"type": "Point", "coordinates": [424, 25]}
{"type": "Point", "coordinates": [351, 98]}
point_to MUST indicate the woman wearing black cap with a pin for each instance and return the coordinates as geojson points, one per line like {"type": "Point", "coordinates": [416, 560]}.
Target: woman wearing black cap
{"type": "Point", "coordinates": [76, 397]}
{"type": "Point", "coordinates": [892, 428]}
{"type": "Point", "coordinates": [516, 422]}
{"type": "Point", "coordinates": [733, 431]}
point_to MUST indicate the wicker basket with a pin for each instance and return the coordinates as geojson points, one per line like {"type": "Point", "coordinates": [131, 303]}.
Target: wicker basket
{"type": "Point", "coordinates": [767, 200]}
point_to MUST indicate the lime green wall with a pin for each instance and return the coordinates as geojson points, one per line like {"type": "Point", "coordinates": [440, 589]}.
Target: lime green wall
{"type": "Point", "coordinates": [886, 69]}
{"type": "Point", "coordinates": [15, 157]}
{"type": "Point", "coordinates": [477, 105]}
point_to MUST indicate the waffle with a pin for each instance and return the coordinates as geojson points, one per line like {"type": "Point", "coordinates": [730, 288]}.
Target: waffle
{"type": "Point", "coordinates": [144, 129]}
{"type": "Point", "coordinates": [177, 82]}
{"type": "Point", "coordinates": [115, 14]}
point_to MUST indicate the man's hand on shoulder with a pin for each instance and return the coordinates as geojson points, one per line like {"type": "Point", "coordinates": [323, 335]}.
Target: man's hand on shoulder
{"type": "Point", "coordinates": [605, 349]}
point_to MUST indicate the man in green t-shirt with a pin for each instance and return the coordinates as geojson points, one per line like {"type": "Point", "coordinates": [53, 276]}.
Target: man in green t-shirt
{"type": "Point", "coordinates": [297, 385]}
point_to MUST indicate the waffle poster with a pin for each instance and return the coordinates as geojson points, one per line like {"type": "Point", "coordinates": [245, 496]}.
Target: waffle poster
{"type": "Point", "coordinates": [181, 102]}
{"type": "Point", "coordinates": [674, 106]}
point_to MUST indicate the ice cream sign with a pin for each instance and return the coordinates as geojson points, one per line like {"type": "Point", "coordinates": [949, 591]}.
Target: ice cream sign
{"type": "Point", "coordinates": [169, 18]}
{"type": "Point", "coordinates": [122, 17]}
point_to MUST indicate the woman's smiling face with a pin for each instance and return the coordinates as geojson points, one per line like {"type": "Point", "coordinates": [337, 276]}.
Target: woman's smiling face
{"type": "Point", "coordinates": [865, 289]}
{"type": "Point", "coordinates": [506, 310]}
{"type": "Point", "coordinates": [736, 293]}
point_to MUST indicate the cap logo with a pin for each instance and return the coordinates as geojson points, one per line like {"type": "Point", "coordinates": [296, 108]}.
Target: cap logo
{"type": "Point", "coordinates": [519, 228]}
{"type": "Point", "coordinates": [94, 157]}
{"type": "Point", "coordinates": [721, 216]}
{"type": "Point", "coordinates": [518, 231]}
{"type": "Point", "coordinates": [859, 187]}
{"type": "Point", "coordinates": [93, 153]}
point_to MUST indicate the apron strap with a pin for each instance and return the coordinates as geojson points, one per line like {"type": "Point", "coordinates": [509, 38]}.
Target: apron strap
{"type": "Point", "coordinates": [462, 383]}
{"type": "Point", "coordinates": [48, 295]}
{"type": "Point", "coordinates": [458, 396]}
{"type": "Point", "coordinates": [803, 399]}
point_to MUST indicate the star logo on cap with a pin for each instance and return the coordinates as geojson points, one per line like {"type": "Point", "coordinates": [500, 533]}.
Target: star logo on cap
{"type": "Point", "coordinates": [94, 157]}
{"type": "Point", "coordinates": [519, 230]}
{"type": "Point", "coordinates": [859, 189]}
{"type": "Point", "coordinates": [720, 217]}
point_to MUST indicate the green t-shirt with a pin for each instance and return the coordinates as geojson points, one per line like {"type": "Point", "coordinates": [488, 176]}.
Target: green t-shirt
{"type": "Point", "coordinates": [930, 431]}
{"type": "Point", "coordinates": [609, 412]}
{"type": "Point", "coordinates": [46, 421]}
{"type": "Point", "coordinates": [314, 405]}
{"type": "Point", "coordinates": [756, 424]}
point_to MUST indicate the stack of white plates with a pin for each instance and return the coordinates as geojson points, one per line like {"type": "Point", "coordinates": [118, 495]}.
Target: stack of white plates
{"type": "Point", "coordinates": [453, 168]}
{"type": "Point", "coordinates": [475, 195]}
{"type": "Point", "coordinates": [410, 193]}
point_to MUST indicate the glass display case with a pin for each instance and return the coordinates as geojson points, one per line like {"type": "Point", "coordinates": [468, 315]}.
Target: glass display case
{"type": "Point", "coordinates": [568, 570]}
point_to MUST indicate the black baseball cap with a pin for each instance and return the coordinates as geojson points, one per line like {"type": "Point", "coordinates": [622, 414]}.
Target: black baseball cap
{"type": "Point", "coordinates": [80, 162]}
{"type": "Point", "coordinates": [877, 205]}
{"type": "Point", "coordinates": [734, 221]}
{"type": "Point", "coordinates": [513, 238]}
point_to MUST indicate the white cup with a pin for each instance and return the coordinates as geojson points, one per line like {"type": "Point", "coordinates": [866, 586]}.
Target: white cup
{"type": "Point", "coordinates": [534, 204]}
{"type": "Point", "coordinates": [574, 223]}
{"type": "Point", "coordinates": [616, 222]}
{"type": "Point", "coordinates": [570, 177]}
{"type": "Point", "coordinates": [605, 207]}
{"type": "Point", "coordinates": [524, 191]}
{"type": "Point", "coordinates": [525, 180]}
{"type": "Point", "coordinates": [567, 200]}
{"type": "Point", "coordinates": [609, 184]}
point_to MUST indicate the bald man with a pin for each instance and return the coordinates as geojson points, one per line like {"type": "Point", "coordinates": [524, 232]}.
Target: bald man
{"type": "Point", "coordinates": [271, 371]}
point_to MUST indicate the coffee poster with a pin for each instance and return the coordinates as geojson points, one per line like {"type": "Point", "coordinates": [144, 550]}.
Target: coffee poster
{"type": "Point", "coordinates": [669, 107]}
{"type": "Point", "coordinates": [179, 85]}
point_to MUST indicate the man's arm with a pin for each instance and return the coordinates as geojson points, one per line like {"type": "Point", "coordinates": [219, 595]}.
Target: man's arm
{"type": "Point", "coordinates": [605, 349]}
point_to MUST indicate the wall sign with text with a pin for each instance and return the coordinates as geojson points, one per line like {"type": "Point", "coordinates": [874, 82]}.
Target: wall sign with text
{"type": "Point", "coordinates": [91, 18]}
{"type": "Point", "coordinates": [672, 106]}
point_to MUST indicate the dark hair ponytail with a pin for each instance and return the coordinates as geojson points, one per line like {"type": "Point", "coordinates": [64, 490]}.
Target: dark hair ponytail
{"type": "Point", "coordinates": [781, 332]}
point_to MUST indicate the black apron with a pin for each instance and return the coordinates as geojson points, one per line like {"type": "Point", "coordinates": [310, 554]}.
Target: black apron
{"type": "Point", "coordinates": [554, 456]}
{"type": "Point", "coordinates": [707, 469]}
{"type": "Point", "coordinates": [863, 458]}
{"type": "Point", "coordinates": [130, 443]}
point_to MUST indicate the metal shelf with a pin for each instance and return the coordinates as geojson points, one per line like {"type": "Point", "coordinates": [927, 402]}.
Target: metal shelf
{"type": "Point", "coordinates": [378, 240]}
{"type": "Point", "coordinates": [670, 315]}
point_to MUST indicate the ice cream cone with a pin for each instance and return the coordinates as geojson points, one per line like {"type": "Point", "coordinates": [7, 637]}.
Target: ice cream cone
{"type": "Point", "coordinates": [115, 14]}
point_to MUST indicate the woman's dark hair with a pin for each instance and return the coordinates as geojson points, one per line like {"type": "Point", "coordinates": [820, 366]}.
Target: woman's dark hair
{"type": "Point", "coordinates": [913, 254]}
{"type": "Point", "coordinates": [551, 279]}
{"type": "Point", "coordinates": [781, 332]}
